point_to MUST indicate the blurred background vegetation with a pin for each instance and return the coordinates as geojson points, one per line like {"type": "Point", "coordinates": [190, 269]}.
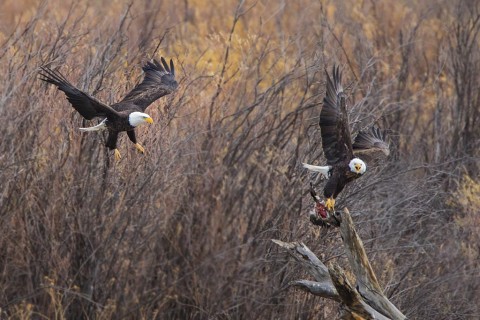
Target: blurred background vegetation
{"type": "Point", "coordinates": [184, 231]}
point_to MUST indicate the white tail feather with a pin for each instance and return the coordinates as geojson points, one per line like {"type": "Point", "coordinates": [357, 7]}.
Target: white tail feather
{"type": "Point", "coordinates": [101, 126]}
{"type": "Point", "coordinates": [322, 170]}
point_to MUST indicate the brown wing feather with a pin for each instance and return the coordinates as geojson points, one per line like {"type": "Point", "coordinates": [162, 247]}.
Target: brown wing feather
{"type": "Point", "coordinates": [85, 104]}
{"type": "Point", "coordinates": [370, 142]}
{"type": "Point", "coordinates": [158, 82]}
{"type": "Point", "coordinates": [336, 139]}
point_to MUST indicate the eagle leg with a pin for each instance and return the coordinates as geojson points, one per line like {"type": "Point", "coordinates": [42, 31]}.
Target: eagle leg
{"type": "Point", "coordinates": [117, 154]}
{"type": "Point", "coordinates": [330, 204]}
{"type": "Point", "coordinates": [139, 148]}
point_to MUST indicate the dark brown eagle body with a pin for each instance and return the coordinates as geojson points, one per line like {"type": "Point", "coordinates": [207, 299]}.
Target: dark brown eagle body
{"type": "Point", "coordinates": [340, 176]}
{"type": "Point", "coordinates": [159, 81]}
{"type": "Point", "coordinates": [115, 127]}
{"type": "Point", "coordinates": [342, 164]}
{"type": "Point", "coordinates": [336, 139]}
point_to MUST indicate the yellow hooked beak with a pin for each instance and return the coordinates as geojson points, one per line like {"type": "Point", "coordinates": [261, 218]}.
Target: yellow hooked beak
{"type": "Point", "coordinates": [358, 167]}
{"type": "Point", "coordinates": [149, 120]}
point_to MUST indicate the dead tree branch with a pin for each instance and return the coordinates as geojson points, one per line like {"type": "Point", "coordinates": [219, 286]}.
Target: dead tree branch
{"type": "Point", "coordinates": [323, 286]}
{"type": "Point", "coordinates": [367, 283]}
{"type": "Point", "coordinates": [364, 301]}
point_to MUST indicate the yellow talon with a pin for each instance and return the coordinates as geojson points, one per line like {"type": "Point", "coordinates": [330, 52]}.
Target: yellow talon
{"type": "Point", "coordinates": [330, 204]}
{"type": "Point", "coordinates": [139, 147]}
{"type": "Point", "coordinates": [117, 154]}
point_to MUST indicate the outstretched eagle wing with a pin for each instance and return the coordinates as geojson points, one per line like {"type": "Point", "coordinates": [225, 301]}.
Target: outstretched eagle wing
{"type": "Point", "coordinates": [370, 142]}
{"type": "Point", "coordinates": [85, 104]}
{"type": "Point", "coordinates": [336, 139]}
{"type": "Point", "coordinates": [158, 82]}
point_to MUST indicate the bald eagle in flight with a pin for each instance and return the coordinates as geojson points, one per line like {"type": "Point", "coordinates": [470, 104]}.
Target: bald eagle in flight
{"type": "Point", "coordinates": [343, 164]}
{"type": "Point", "coordinates": [125, 115]}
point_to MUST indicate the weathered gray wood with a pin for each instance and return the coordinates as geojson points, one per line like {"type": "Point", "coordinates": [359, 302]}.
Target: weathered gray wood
{"type": "Point", "coordinates": [353, 302]}
{"type": "Point", "coordinates": [364, 301]}
{"type": "Point", "coordinates": [321, 289]}
{"type": "Point", "coordinates": [367, 282]}
{"type": "Point", "coordinates": [331, 283]}
{"type": "Point", "coordinates": [300, 252]}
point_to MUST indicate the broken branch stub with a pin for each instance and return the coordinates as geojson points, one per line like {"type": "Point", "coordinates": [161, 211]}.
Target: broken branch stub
{"type": "Point", "coordinates": [367, 282]}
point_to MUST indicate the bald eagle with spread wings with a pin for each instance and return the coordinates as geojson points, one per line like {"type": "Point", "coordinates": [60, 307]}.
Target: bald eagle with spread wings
{"type": "Point", "coordinates": [125, 115]}
{"type": "Point", "coordinates": [343, 164]}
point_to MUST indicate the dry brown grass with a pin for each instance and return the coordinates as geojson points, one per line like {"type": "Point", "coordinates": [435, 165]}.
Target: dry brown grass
{"type": "Point", "coordinates": [183, 232]}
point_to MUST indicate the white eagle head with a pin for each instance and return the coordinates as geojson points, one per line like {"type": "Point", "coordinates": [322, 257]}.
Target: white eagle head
{"type": "Point", "coordinates": [357, 166]}
{"type": "Point", "coordinates": [137, 118]}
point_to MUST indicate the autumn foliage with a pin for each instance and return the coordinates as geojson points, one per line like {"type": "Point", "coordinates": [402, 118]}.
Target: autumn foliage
{"type": "Point", "coordinates": [183, 232]}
